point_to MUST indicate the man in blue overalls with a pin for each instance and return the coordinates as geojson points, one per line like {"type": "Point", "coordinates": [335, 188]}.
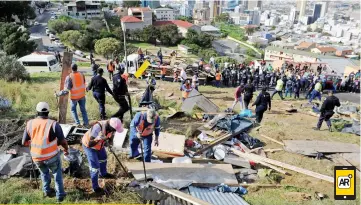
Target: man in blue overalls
{"type": "Point", "coordinates": [141, 128]}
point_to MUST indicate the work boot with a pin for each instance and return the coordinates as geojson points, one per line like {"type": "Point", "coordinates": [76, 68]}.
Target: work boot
{"type": "Point", "coordinates": [99, 191]}
{"type": "Point", "coordinates": [60, 199]}
{"type": "Point", "coordinates": [330, 129]}
{"type": "Point", "coordinates": [107, 176]}
{"type": "Point", "coordinates": [316, 128]}
{"type": "Point", "coordinates": [50, 194]}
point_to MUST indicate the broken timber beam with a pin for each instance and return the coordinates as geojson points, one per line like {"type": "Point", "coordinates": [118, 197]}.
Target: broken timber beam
{"type": "Point", "coordinates": [214, 143]}
{"type": "Point", "coordinates": [179, 194]}
{"type": "Point", "coordinates": [284, 165]}
{"type": "Point", "coordinates": [273, 150]}
{"type": "Point", "coordinates": [273, 140]}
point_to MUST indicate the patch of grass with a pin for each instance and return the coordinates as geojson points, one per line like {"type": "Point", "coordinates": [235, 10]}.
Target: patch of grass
{"type": "Point", "coordinates": [87, 64]}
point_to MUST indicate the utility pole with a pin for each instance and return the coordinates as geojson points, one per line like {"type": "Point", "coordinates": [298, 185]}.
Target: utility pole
{"type": "Point", "coordinates": [125, 48]}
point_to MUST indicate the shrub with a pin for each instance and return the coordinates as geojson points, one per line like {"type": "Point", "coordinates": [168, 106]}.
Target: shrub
{"type": "Point", "coordinates": [12, 70]}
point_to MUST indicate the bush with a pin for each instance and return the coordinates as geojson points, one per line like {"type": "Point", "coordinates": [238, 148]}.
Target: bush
{"type": "Point", "coordinates": [12, 70]}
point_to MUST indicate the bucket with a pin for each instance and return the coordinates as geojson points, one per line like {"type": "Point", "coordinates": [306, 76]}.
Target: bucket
{"type": "Point", "coordinates": [219, 152]}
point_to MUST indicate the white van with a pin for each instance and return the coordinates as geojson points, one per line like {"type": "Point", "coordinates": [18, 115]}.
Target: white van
{"type": "Point", "coordinates": [40, 63]}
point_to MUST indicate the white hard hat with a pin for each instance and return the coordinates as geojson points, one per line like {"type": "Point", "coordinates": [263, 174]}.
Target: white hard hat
{"type": "Point", "coordinates": [42, 107]}
{"type": "Point", "coordinates": [151, 115]}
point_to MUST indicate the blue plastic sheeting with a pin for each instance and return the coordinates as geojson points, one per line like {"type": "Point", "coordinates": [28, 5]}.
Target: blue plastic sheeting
{"type": "Point", "coordinates": [234, 124]}
{"type": "Point", "coordinates": [246, 113]}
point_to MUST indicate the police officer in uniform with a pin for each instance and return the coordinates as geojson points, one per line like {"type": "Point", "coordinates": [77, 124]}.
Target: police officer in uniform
{"type": "Point", "coordinates": [327, 110]}
{"type": "Point", "coordinates": [262, 102]}
{"type": "Point", "coordinates": [248, 93]}
{"type": "Point", "coordinates": [120, 92]}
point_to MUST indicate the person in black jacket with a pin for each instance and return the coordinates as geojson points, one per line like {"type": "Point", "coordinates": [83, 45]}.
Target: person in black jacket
{"type": "Point", "coordinates": [99, 84]}
{"type": "Point", "coordinates": [262, 102]}
{"type": "Point", "coordinates": [248, 93]}
{"type": "Point", "coordinates": [327, 110]}
{"type": "Point", "coordinates": [120, 90]}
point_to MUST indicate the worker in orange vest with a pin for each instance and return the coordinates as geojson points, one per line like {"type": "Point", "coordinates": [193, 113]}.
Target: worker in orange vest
{"type": "Point", "coordinates": [141, 128]}
{"type": "Point", "coordinates": [75, 84]}
{"type": "Point", "coordinates": [163, 72]}
{"type": "Point", "coordinates": [43, 136]}
{"type": "Point", "coordinates": [93, 143]}
{"type": "Point", "coordinates": [186, 88]}
{"type": "Point", "coordinates": [218, 79]}
{"type": "Point", "coordinates": [110, 68]}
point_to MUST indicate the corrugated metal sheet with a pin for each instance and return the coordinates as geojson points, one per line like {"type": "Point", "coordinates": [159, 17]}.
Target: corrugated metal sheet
{"type": "Point", "coordinates": [215, 197]}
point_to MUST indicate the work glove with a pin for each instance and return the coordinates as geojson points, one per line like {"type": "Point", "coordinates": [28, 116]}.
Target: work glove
{"type": "Point", "coordinates": [139, 135]}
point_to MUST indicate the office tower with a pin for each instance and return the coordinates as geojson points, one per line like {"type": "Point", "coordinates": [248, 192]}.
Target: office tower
{"type": "Point", "coordinates": [215, 8]}
{"type": "Point", "coordinates": [153, 4]}
{"type": "Point", "coordinates": [316, 12]}
{"type": "Point", "coordinates": [293, 15]}
{"type": "Point", "coordinates": [301, 7]}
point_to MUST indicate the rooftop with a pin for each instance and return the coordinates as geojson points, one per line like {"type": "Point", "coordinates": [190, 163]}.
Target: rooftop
{"type": "Point", "coordinates": [209, 28]}
{"type": "Point", "coordinates": [130, 19]}
{"type": "Point", "coordinates": [139, 9]}
{"type": "Point", "coordinates": [299, 52]}
{"type": "Point", "coordinates": [305, 44]}
{"type": "Point", "coordinates": [326, 49]}
{"type": "Point", "coordinates": [180, 23]}
{"type": "Point", "coordinates": [163, 9]}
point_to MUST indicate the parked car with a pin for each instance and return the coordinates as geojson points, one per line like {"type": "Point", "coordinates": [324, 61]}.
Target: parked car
{"type": "Point", "coordinates": [36, 23]}
{"type": "Point", "coordinates": [52, 37]}
{"type": "Point", "coordinates": [52, 18]}
{"type": "Point", "coordinates": [79, 53]}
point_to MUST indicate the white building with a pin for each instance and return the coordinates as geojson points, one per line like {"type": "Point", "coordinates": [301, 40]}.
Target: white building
{"type": "Point", "coordinates": [271, 21]}
{"type": "Point", "coordinates": [84, 9]}
{"type": "Point", "coordinates": [301, 7]}
{"type": "Point", "coordinates": [339, 33]}
{"type": "Point", "coordinates": [164, 14]}
{"type": "Point", "coordinates": [293, 17]}
{"type": "Point", "coordinates": [138, 18]}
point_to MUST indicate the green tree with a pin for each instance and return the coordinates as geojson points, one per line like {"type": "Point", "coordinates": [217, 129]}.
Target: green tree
{"type": "Point", "coordinates": [185, 18]}
{"type": "Point", "coordinates": [250, 52]}
{"type": "Point", "coordinates": [257, 45]}
{"type": "Point", "coordinates": [12, 70]}
{"type": "Point", "coordinates": [223, 17]}
{"type": "Point", "coordinates": [130, 3]}
{"type": "Point", "coordinates": [107, 46]}
{"type": "Point", "coordinates": [22, 9]}
{"type": "Point", "coordinates": [169, 35]}
{"type": "Point", "coordinates": [192, 36]}
{"type": "Point", "coordinates": [14, 41]}
{"type": "Point", "coordinates": [70, 38]}
{"type": "Point", "coordinates": [205, 40]}
{"type": "Point", "coordinates": [58, 26]}
{"type": "Point", "coordinates": [249, 30]}
{"type": "Point", "coordinates": [150, 34]}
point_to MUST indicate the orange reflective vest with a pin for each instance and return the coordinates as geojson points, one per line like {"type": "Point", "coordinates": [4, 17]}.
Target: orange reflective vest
{"type": "Point", "coordinates": [185, 93]}
{"type": "Point", "coordinates": [41, 148]}
{"type": "Point", "coordinates": [110, 67]}
{"type": "Point", "coordinates": [100, 144]}
{"type": "Point", "coordinates": [218, 76]}
{"type": "Point", "coordinates": [163, 71]}
{"type": "Point", "coordinates": [146, 131]}
{"type": "Point", "coordinates": [78, 89]}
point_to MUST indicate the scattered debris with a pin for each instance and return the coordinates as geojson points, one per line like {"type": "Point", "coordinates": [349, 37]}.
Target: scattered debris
{"type": "Point", "coordinates": [273, 140]}
{"type": "Point", "coordinates": [195, 98]}
{"type": "Point", "coordinates": [297, 196]}
{"type": "Point", "coordinates": [172, 145]}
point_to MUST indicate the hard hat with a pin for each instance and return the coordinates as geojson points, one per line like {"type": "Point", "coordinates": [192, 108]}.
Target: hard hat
{"type": "Point", "coordinates": [42, 107]}
{"type": "Point", "coordinates": [116, 124]}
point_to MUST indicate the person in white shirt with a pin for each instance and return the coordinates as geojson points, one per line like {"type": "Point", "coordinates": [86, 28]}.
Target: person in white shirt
{"type": "Point", "coordinates": [183, 76]}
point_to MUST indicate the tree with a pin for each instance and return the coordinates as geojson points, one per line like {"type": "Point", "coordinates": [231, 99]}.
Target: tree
{"type": "Point", "coordinates": [273, 27]}
{"type": "Point", "coordinates": [14, 41]}
{"type": "Point", "coordinates": [96, 25]}
{"type": "Point", "coordinates": [185, 18]}
{"type": "Point", "coordinates": [249, 30]}
{"type": "Point", "coordinates": [205, 40]}
{"type": "Point", "coordinates": [169, 35]}
{"type": "Point", "coordinates": [250, 52]}
{"type": "Point", "coordinates": [22, 9]}
{"type": "Point", "coordinates": [70, 38]}
{"type": "Point", "coordinates": [58, 26]}
{"type": "Point", "coordinates": [192, 36]}
{"type": "Point", "coordinates": [150, 34]}
{"type": "Point", "coordinates": [107, 46]}
{"type": "Point", "coordinates": [130, 3]}
{"type": "Point", "coordinates": [223, 17]}
{"type": "Point", "coordinates": [244, 38]}
{"type": "Point", "coordinates": [12, 70]}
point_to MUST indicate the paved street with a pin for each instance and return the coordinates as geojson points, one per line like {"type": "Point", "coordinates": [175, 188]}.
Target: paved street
{"type": "Point", "coordinates": [351, 97]}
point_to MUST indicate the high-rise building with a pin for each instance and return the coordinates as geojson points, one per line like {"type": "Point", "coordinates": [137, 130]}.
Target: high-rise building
{"type": "Point", "coordinates": [251, 4]}
{"type": "Point", "coordinates": [153, 4]}
{"type": "Point", "coordinates": [293, 15]}
{"type": "Point", "coordinates": [324, 8]}
{"type": "Point", "coordinates": [215, 8]}
{"type": "Point", "coordinates": [316, 12]}
{"type": "Point", "coordinates": [187, 8]}
{"type": "Point", "coordinates": [301, 7]}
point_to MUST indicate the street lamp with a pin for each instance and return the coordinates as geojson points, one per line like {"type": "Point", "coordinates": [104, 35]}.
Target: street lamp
{"type": "Point", "coordinates": [125, 47]}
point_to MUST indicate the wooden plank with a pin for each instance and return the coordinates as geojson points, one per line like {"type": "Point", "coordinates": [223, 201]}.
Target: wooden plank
{"type": "Point", "coordinates": [63, 100]}
{"type": "Point", "coordinates": [214, 143]}
{"type": "Point", "coordinates": [312, 147]}
{"type": "Point", "coordinates": [284, 165]}
{"type": "Point", "coordinates": [262, 185]}
{"type": "Point", "coordinates": [273, 140]}
{"type": "Point", "coordinates": [255, 149]}
{"type": "Point", "coordinates": [273, 150]}
{"type": "Point", "coordinates": [179, 194]}
{"type": "Point", "coordinates": [170, 144]}
{"type": "Point", "coordinates": [196, 173]}
{"type": "Point", "coordinates": [272, 167]}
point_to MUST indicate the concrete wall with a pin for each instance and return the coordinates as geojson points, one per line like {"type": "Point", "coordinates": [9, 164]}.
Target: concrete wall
{"type": "Point", "coordinates": [133, 26]}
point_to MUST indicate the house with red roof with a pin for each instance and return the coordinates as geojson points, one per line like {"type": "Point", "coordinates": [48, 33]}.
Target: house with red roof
{"type": "Point", "coordinates": [183, 26]}
{"type": "Point", "coordinates": [137, 18]}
